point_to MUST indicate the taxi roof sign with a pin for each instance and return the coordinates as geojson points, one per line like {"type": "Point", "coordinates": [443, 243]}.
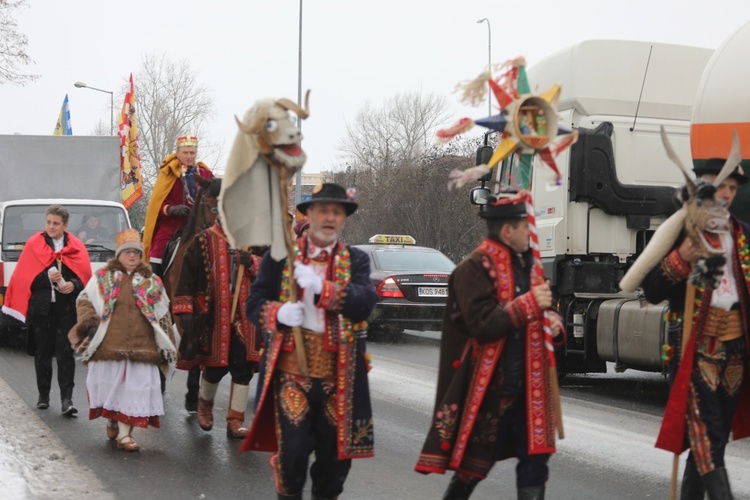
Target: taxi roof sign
{"type": "Point", "coordinates": [393, 239]}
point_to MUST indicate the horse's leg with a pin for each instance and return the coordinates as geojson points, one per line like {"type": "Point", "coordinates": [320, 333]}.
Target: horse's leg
{"type": "Point", "coordinates": [193, 384]}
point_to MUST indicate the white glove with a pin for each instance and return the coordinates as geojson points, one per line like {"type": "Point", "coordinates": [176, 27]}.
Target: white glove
{"type": "Point", "coordinates": [290, 314]}
{"type": "Point", "coordinates": [307, 279]}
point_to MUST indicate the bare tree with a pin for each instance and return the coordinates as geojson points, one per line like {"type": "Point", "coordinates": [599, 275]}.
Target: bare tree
{"type": "Point", "coordinates": [13, 46]}
{"type": "Point", "coordinates": [413, 199]}
{"type": "Point", "coordinates": [170, 102]}
{"type": "Point", "coordinates": [398, 132]}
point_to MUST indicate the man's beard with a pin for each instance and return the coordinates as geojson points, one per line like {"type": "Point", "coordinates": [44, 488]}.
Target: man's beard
{"type": "Point", "coordinates": [327, 240]}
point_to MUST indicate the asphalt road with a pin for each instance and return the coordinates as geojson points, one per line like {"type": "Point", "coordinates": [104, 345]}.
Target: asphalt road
{"type": "Point", "coordinates": [611, 423]}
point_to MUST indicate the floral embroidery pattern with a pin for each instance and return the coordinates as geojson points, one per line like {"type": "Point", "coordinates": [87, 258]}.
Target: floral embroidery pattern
{"type": "Point", "coordinates": [147, 292]}
{"type": "Point", "coordinates": [445, 422]}
{"type": "Point", "coordinates": [733, 373]}
{"type": "Point", "coordinates": [293, 397]}
{"type": "Point", "coordinates": [362, 432]}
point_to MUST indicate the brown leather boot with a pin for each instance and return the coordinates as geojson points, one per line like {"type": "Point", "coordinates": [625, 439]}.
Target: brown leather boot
{"type": "Point", "coordinates": [205, 414]}
{"type": "Point", "coordinates": [234, 425]}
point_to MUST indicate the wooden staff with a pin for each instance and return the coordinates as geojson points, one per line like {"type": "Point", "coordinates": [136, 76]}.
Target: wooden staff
{"type": "Point", "coordinates": [237, 286]}
{"type": "Point", "coordinates": [285, 176]}
{"type": "Point", "coordinates": [687, 327]}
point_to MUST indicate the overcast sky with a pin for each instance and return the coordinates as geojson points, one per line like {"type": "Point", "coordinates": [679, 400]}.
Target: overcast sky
{"type": "Point", "coordinates": [353, 51]}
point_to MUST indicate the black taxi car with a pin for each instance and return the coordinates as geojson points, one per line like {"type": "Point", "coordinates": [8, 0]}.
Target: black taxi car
{"type": "Point", "coordinates": [411, 282]}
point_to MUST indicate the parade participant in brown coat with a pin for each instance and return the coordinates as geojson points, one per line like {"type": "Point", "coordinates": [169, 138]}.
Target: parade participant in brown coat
{"type": "Point", "coordinates": [124, 332]}
{"type": "Point", "coordinates": [214, 283]}
{"type": "Point", "coordinates": [493, 394]}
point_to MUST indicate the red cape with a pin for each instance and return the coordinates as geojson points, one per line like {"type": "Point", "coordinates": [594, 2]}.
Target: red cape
{"type": "Point", "coordinates": [36, 257]}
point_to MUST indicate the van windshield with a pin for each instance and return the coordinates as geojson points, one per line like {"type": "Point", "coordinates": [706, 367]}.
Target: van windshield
{"type": "Point", "coordinates": [95, 225]}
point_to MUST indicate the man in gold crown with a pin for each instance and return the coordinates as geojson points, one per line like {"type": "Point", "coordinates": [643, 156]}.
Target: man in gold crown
{"type": "Point", "coordinates": [172, 198]}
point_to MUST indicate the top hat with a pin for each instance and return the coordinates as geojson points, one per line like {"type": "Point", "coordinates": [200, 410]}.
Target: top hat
{"type": "Point", "coordinates": [506, 205]}
{"type": "Point", "coordinates": [714, 165]}
{"type": "Point", "coordinates": [331, 193]}
{"type": "Point", "coordinates": [129, 238]}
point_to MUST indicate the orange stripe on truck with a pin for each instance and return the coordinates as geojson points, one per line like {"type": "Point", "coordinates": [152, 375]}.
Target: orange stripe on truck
{"type": "Point", "coordinates": [714, 140]}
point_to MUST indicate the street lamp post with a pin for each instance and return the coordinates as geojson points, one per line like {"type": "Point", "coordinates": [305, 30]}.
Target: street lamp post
{"type": "Point", "coordinates": [489, 59]}
{"type": "Point", "coordinates": [82, 85]}
{"type": "Point", "coordinates": [298, 180]}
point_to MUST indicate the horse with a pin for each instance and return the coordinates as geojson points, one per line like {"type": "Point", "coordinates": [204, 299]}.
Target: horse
{"type": "Point", "coordinates": [202, 216]}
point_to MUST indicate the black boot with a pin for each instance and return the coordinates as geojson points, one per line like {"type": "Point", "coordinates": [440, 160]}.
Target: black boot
{"type": "Point", "coordinates": [717, 484]}
{"type": "Point", "coordinates": [68, 409]}
{"type": "Point", "coordinates": [67, 402]}
{"type": "Point", "coordinates": [460, 490]}
{"type": "Point", "coordinates": [43, 402]}
{"type": "Point", "coordinates": [296, 496]}
{"type": "Point", "coordinates": [531, 493]}
{"type": "Point", "coordinates": [692, 485]}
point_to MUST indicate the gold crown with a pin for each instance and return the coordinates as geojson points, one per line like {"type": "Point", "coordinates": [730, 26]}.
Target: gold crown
{"type": "Point", "coordinates": [187, 140]}
{"type": "Point", "coordinates": [128, 236]}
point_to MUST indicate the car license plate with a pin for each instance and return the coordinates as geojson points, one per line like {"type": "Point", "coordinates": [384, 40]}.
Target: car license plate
{"type": "Point", "coordinates": [432, 291]}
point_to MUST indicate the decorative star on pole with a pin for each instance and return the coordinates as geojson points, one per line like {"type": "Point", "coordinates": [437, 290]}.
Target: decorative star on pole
{"type": "Point", "coordinates": [528, 122]}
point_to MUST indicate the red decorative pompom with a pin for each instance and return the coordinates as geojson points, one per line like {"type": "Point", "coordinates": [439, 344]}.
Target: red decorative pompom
{"type": "Point", "coordinates": [445, 446]}
{"type": "Point", "coordinates": [456, 364]}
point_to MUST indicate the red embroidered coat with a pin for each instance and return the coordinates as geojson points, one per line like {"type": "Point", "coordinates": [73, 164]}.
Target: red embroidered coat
{"type": "Point", "coordinates": [204, 290]}
{"type": "Point", "coordinates": [481, 311]}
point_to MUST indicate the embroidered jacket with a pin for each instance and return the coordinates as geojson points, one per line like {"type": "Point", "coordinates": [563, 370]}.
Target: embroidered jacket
{"type": "Point", "coordinates": [669, 281]}
{"type": "Point", "coordinates": [482, 311]}
{"type": "Point", "coordinates": [204, 290]}
{"type": "Point", "coordinates": [348, 297]}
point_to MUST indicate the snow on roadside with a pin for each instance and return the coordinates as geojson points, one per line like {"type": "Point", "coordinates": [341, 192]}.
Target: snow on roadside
{"type": "Point", "coordinates": [34, 463]}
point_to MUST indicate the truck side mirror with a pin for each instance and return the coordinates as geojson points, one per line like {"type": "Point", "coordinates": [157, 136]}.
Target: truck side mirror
{"type": "Point", "coordinates": [479, 195]}
{"type": "Point", "coordinates": [484, 154]}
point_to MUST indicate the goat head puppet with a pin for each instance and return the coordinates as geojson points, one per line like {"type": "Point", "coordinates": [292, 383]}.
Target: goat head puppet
{"type": "Point", "coordinates": [703, 218]}
{"type": "Point", "coordinates": [265, 150]}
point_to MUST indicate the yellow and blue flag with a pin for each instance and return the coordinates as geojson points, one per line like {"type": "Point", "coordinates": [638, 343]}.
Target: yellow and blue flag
{"type": "Point", "coordinates": [63, 126]}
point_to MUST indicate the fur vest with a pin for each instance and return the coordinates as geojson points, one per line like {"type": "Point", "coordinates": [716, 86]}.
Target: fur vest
{"type": "Point", "coordinates": [147, 337]}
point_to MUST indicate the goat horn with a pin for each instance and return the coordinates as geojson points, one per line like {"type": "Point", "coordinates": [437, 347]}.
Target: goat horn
{"type": "Point", "coordinates": [293, 106]}
{"type": "Point", "coordinates": [732, 161]}
{"type": "Point", "coordinates": [243, 127]}
{"type": "Point", "coordinates": [673, 156]}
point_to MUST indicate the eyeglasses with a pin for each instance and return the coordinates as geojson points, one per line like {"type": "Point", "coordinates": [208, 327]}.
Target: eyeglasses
{"type": "Point", "coordinates": [132, 251]}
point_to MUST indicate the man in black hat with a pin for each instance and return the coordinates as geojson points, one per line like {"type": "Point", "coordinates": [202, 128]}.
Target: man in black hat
{"type": "Point", "coordinates": [493, 380]}
{"type": "Point", "coordinates": [327, 410]}
{"type": "Point", "coordinates": [710, 393]}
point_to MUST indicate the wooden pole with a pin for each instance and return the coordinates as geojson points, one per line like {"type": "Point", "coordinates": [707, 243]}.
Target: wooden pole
{"type": "Point", "coordinates": [237, 286]}
{"type": "Point", "coordinates": [299, 346]}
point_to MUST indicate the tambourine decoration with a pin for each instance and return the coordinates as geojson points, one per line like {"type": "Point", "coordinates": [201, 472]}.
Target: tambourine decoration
{"type": "Point", "coordinates": [527, 122]}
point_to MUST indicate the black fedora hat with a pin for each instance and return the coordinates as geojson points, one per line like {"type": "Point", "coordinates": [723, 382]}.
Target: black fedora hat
{"type": "Point", "coordinates": [714, 165]}
{"type": "Point", "coordinates": [331, 193]}
{"type": "Point", "coordinates": [506, 205]}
